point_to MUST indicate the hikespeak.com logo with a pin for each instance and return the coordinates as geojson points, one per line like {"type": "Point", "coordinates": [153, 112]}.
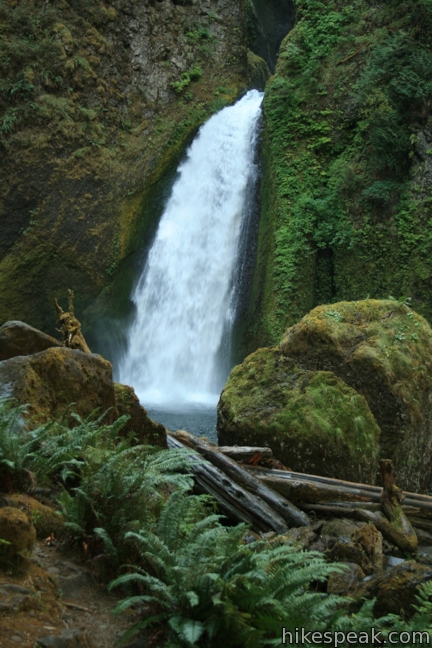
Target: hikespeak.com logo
{"type": "Point", "coordinates": [303, 637]}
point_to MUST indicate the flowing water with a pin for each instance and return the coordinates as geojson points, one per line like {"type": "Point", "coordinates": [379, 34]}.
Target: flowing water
{"type": "Point", "coordinates": [178, 355]}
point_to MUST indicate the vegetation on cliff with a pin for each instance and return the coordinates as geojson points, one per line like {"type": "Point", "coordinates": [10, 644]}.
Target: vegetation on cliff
{"type": "Point", "coordinates": [347, 171]}
{"type": "Point", "coordinates": [97, 103]}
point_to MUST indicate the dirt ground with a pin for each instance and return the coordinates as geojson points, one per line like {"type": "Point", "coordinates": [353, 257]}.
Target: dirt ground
{"type": "Point", "coordinates": [51, 593]}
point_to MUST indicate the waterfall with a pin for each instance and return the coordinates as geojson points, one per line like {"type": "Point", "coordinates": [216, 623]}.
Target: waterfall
{"type": "Point", "coordinates": [185, 296]}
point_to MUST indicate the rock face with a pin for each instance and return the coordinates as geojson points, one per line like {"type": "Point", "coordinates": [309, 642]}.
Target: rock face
{"type": "Point", "coordinates": [131, 79]}
{"type": "Point", "coordinates": [312, 420]}
{"type": "Point", "coordinates": [383, 350]}
{"type": "Point", "coordinates": [18, 338]}
{"type": "Point", "coordinates": [53, 379]}
{"type": "Point", "coordinates": [145, 430]}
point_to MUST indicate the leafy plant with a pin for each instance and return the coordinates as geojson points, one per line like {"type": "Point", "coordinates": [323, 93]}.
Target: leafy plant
{"type": "Point", "coordinates": [207, 588]}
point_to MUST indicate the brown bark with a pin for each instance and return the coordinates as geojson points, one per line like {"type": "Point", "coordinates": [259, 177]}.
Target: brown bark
{"type": "Point", "coordinates": [70, 327]}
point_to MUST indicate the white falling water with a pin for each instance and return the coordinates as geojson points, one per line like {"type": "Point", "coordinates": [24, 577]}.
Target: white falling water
{"type": "Point", "coordinates": [184, 296]}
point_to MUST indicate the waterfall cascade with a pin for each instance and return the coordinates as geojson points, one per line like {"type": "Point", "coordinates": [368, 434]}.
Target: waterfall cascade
{"type": "Point", "coordinates": [185, 296]}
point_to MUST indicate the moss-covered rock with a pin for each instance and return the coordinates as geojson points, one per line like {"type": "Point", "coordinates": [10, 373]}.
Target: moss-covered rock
{"type": "Point", "coordinates": [394, 589]}
{"type": "Point", "coordinates": [51, 380]}
{"type": "Point", "coordinates": [143, 427]}
{"type": "Point", "coordinates": [17, 534]}
{"type": "Point", "coordinates": [383, 350]}
{"type": "Point", "coordinates": [257, 71]}
{"type": "Point", "coordinates": [313, 421]}
{"type": "Point", "coordinates": [45, 519]}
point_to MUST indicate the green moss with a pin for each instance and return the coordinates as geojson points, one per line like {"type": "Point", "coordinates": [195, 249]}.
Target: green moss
{"type": "Point", "coordinates": [313, 421]}
{"type": "Point", "coordinates": [346, 207]}
{"type": "Point", "coordinates": [383, 350]}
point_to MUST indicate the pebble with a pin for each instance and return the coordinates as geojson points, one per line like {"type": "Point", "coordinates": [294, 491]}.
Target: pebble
{"type": "Point", "coordinates": [16, 638]}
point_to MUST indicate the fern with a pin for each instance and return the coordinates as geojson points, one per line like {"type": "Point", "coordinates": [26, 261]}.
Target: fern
{"type": "Point", "coordinates": [205, 585]}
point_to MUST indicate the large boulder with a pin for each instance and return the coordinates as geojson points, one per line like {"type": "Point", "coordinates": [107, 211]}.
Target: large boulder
{"type": "Point", "coordinates": [383, 350]}
{"type": "Point", "coordinates": [140, 424]}
{"type": "Point", "coordinates": [51, 380]}
{"type": "Point", "coordinates": [20, 339]}
{"type": "Point", "coordinates": [313, 421]}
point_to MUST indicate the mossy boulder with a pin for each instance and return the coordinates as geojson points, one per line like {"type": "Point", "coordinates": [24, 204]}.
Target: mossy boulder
{"type": "Point", "coordinates": [45, 519]}
{"type": "Point", "coordinates": [140, 424]}
{"type": "Point", "coordinates": [18, 338]}
{"type": "Point", "coordinates": [394, 589]}
{"type": "Point", "coordinates": [382, 349]}
{"type": "Point", "coordinates": [313, 421]}
{"type": "Point", "coordinates": [51, 380]}
{"type": "Point", "coordinates": [16, 532]}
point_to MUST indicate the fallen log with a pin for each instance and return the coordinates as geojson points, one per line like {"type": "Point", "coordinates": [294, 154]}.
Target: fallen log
{"type": "Point", "coordinates": [233, 500]}
{"type": "Point", "coordinates": [283, 507]}
{"type": "Point", "coordinates": [241, 453]}
{"type": "Point", "coordinates": [302, 489]}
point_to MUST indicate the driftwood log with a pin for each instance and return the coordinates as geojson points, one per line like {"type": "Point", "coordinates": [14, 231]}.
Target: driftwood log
{"type": "Point", "coordinates": [276, 499]}
{"type": "Point", "coordinates": [233, 500]}
{"type": "Point", "coordinates": [283, 507]}
{"type": "Point", "coordinates": [70, 327]}
{"type": "Point", "coordinates": [245, 453]}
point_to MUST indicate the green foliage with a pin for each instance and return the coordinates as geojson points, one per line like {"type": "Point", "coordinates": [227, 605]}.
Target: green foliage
{"type": "Point", "coordinates": [345, 116]}
{"type": "Point", "coordinates": [207, 588]}
{"type": "Point", "coordinates": [121, 486]}
{"type": "Point", "coordinates": [193, 74]}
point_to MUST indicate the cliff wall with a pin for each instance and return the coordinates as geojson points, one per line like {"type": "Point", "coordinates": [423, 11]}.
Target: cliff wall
{"type": "Point", "coordinates": [347, 164]}
{"type": "Point", "coordinates": [97, 102]}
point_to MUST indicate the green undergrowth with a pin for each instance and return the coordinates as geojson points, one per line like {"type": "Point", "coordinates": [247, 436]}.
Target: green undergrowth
{"type": "Point", "coordinates": [192, 580]}
{"type": "Point", "coordinates": [346, 189]}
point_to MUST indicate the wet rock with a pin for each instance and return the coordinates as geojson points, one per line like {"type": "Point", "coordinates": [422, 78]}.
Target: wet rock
{"type": "Point", "coordinates": [144, 428]}
{"type": "Point", "coordinates": [52, 379]}
{"type": "Point", "coordinates": [70, 638]}
{"type": "Point", "coordinates": [300, 536]}
{"type": "Point", "coordinates": [346, 551]}
{"type": "Point", "coordinates": [340, 527]}
{"type": "Point", "coordinates": [383, 350]}
{"type": "Point", "coordinates": [364, 549]}
{"type": "Point", "coordinates": [258, 72]}
{"type": "Point", "coordinates": [370, 541]}
{"type": "Point", "coordinates": [16, 532]}
{"type": "Point", "coordinates": [20, 339]}
{"type": "Point", "coordinates": [424, 555]}
{"type": "Point", "coordinates": [395, 589]}
{"type": "Point", "coordinates": [312, 420]}
{"type": "Point", "coordinates": [342, 583]}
